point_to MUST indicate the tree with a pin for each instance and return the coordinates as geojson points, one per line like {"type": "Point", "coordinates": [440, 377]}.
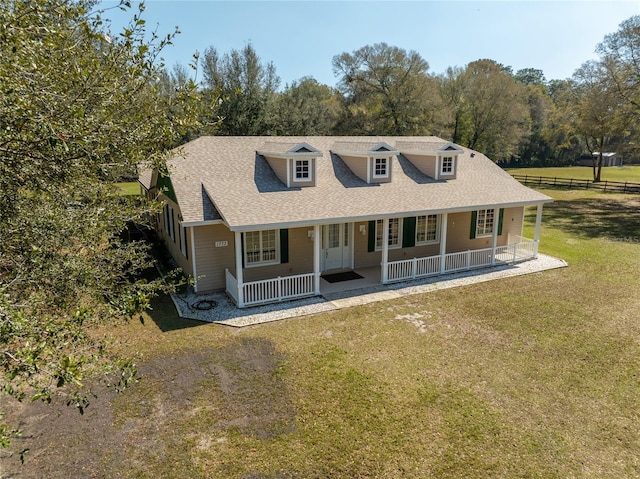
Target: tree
{"type": "Point", "coordinates": [80, 106]}
{"type": "Point", "coordinates": [600, 117]}
{"type": "Point", "coordinates": [386, 91]}
{"type": "Point", "coordinates": [452, 91]}
{"type": "Point", "coordinates": [496, 104]}
{"type": "Point", "coordinates": [246, 89]}
{"type": "Point", "coordinates": [307, 108]}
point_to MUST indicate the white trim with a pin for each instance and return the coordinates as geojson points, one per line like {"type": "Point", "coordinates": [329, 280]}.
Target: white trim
{"type": "Point", "coordinates": [494, 224]}
{"type": "Point", "coordinates": [385, 248]}
{"type": "Point", "coordinates": [443, 242]}
{"type": "Point", "coordinates": [239, 277]}
{"type": "Point", "coordinates": [182, 234]}
{"type": "Point", "coordinates": [434, 241]}
{"type": "Point", "coordinates": [494, 239]}
{"type": "Point", "coordinates": [387, 167]}
{"type": "Point", "coordinates": [453, 165]}
{"type": "Point", "coordinates": [295, 171]}
{"type": "Point", "coordinates": [437, 167]}
{"type": "Point", "coordinates": [288, 166]}
{"type": "Point", "coordinates": [317, 240]}
{"type": "Point", "coordinates": [193, 259]}
{"type": "Point", "coordinates": [396, 246]}
{"type": "Point", "coordinates": [254, 264]}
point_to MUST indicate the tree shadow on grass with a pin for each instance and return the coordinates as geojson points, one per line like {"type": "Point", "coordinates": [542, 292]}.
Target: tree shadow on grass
{"type": "Point", "coordinates": [606, 218]}
{"type": "Point", "coordinates": [164, 314]}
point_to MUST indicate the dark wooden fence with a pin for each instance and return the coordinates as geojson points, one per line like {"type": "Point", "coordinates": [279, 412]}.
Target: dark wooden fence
{"type": "Point", "coordinates": [617, 186]}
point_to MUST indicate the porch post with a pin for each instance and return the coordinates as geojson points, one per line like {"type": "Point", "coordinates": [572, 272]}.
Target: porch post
{"type": "Point", "coordinates": [238, 245]}
{"type": "Point", "coordinates": [494, 239]}
{"type": "Point", "coordinates": [536, 238]}
{"type": "Point", "coordinates": [317, 241]}
{"type": "Point", "coordinates": [193, 259]}
{"type": "Point", "coordinates": [443, 241]}
{"type": "Point", "coordinates": [385, 248]}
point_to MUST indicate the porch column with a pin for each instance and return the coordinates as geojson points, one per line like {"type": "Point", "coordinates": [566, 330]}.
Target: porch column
{"type": "Point", "coordinates": [443, 241]}
{"type": "Point", "coordinates": [385, 249]}
{"type": "Point", "coordinates": [494, 239]}
{"type": "Point", "coordinates": [317, 241]}
{"type": "Point", "coordinates": [238, 245]}
{"type": "Point", "coordinates": [193, 259]}
{"type": "Point", "coordinates": [536, 238]}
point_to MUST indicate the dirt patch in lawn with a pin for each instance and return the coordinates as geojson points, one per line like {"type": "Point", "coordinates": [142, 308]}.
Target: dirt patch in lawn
{"type": "Point", "coordinates": [235, 387]}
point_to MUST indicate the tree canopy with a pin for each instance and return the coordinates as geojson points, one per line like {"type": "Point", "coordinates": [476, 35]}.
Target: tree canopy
{"type": "Point", "coordinates": [80, 108]}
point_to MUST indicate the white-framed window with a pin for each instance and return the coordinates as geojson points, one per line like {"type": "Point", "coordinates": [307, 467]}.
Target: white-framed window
{"type": "Point", "coordinates": [302, 170]}
{"type": "Point", "coordinates": [427, 229]}
{"type": "Point", "coordinates": [183, 241]}
{"type": "Point", "coordinates": [261, 248]}
{"type": "Point", "coordinates": [395, 233]}
{"type": "Point", "coordinates": [447, 165]}
{"type": "Point", "coordinates": [381, 167]}
{"type": "Point", "coordinates": [485, 222]}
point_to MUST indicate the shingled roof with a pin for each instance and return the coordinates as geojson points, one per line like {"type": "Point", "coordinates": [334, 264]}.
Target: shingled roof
{"type": "Point", "coordinates": [225, 177]}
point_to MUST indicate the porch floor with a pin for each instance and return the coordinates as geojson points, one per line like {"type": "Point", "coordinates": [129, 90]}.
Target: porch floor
{"type": "Point", "coordinates": [346, 294]}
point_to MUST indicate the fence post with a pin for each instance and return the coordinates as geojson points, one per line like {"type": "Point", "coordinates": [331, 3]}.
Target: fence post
{"type": "Point", "coordinates": [570, 183]}
{"type": "Point", "coordinates": [605, 185]}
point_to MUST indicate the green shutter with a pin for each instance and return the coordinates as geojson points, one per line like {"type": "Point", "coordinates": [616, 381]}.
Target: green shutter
{"type": "Point", "coordinates": [242, 248]}
{"type": "Point", "coordinates": [500, 218]}
{"type": "Point", "coordinates": [409, 232]}
{"type": "Point", "coordinates": [474, 223]}
{"type": "Point", "coordinates": [284, 246]}
{"type": "Point", "coordinates": [371, 244]}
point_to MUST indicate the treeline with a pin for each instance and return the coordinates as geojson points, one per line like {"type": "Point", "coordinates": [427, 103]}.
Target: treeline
{"type": "Point", "coordinates": [516, 118]}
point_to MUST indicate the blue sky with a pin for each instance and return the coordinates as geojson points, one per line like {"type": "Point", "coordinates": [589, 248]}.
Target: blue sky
{"type": "Point", "coordinates": [301, 37]}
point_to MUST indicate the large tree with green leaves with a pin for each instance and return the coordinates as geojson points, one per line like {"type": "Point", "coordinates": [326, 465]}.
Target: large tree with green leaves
{"type": "Point", "coordinates": [80, 107]}
{"type": "Point", "coordinates": [386, 91]}
{"type": "Point", "coordinates": [242, 89]}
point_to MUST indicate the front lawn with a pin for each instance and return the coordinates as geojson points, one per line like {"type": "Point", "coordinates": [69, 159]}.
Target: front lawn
{"type": "Point", "coordinates": [534, 377]}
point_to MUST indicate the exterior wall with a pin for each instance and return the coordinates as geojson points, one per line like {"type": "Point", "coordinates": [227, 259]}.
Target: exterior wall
{"type": "Point", "coordinates": [300, 259]}
{"type": "Point", "coordinates": [279, 167]}
{"type": "Point", "coordinates": [459, 229]}
{"type": "Point", "coordinates": [211, 261]}
{"type": "Point", "coordinates": [173, 246]}
{"type": "Point", "coordinates": [358, 165]}
{"type": "Point", "coordinates": [426, 164]}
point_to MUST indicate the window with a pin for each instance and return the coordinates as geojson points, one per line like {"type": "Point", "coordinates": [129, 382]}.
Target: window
{"type": "Point", "coordinates": [484, 223]}
{"type": "Point", "coordinates": [447, 165]}
{"type": "Point", "coordinates": [427, 229]}
{"type": "Point", "coordinates": [183, 241]}
{"type": "Point", "coordinates": [380, 168]}
{"type": "Point", "coordinates": [303, 171]}
{"type": "Point", "coordinates": [395, 233]}
{"type": "Point", "coordinates": [261, 247]}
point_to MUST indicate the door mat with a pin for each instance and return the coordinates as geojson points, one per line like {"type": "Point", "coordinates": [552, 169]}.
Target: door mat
{"type": "Point", "coordinates": [344, 276]}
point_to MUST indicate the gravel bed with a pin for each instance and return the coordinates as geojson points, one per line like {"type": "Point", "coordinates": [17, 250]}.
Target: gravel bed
{"type": "Point", "coordinates": [218, 308]}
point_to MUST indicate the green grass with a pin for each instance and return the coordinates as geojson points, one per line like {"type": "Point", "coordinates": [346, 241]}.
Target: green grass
{"type": "Point", "coordinates": [623, 173]}
{"type": "Point", "coordinates": [130, 188]}
{"type": "Point", "coordinates": [531, 377]}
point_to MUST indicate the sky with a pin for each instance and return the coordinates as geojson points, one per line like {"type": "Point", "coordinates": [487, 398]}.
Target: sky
{"type": "Point", "coordinates": [301, 37]}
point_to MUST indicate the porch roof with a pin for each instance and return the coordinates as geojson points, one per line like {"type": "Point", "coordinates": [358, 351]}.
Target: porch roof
{"type": "Point", "coordinates": [228, 175]}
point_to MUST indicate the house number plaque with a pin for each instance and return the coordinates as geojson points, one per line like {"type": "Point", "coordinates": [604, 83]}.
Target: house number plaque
{"type": "Point", "coordinates": [220, 244]}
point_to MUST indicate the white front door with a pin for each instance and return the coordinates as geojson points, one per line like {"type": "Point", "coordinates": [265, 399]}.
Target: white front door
{"type": "Point", "coordinates": [336, 246]}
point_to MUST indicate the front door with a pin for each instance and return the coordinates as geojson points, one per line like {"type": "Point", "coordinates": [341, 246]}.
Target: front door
{"type": "Point", "coordinates": [336, 246]}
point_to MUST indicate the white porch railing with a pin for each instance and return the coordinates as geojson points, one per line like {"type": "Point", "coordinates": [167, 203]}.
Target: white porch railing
{"type": "Point", "coordinates": [270, 290]}
{"type": "Point", "coordinates": [464, 260]}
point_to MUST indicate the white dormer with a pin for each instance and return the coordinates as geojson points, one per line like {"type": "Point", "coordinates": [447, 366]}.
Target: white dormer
{"type": "Point", "coordinates": [294, 164]}
{"type": "Point", "coordinates": [438, 160]}
{"type": "Point", "coordinates": [372, 163]}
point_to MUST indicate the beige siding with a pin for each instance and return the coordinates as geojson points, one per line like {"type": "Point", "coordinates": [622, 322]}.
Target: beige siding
{"type": "Point", "coordinates": [426, 164]}
{"type": "Point", "coordinates": [459, 231]}
{"type": "Point", "coordinates": [279, 167]}
{"type": "Point", "coordinates": [173, 246]}
{"type": "Point", "coordinates": [361, 257]}
{"type": "Point", "coordinates": [356, 164]}
{"type": "Point", "coordinates": [300, 259]}
{"type": "Point", "coordinates": [211, 260]}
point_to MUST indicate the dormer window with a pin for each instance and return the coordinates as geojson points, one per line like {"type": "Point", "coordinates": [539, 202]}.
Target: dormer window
{"type": "Point", "coordinates": [303, 171]}
{"type": "Point", "coordinates": [381, 168]}
{"type": "Point", "coordinates": [447, 165]}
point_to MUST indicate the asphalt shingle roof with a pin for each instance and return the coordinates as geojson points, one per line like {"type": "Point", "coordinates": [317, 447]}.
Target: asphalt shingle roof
{"type": "Point", "coordinates": [224, 177]}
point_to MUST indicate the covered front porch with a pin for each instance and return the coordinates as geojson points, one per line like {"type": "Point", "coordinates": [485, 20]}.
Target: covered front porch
{"type": "Point", "coordinates": [284, 288]}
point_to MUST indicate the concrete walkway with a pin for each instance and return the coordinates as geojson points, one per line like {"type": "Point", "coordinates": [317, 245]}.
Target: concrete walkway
{"type": "Point", "coordinates": [218, 308]}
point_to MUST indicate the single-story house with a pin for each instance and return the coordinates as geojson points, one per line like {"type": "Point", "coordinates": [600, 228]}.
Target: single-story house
{"type": "Point", "coordinates": [266, 218]}
{"type": "Point", "coordinates": [608, 159]}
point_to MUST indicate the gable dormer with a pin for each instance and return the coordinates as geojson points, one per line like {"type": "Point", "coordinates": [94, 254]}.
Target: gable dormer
{"type": "Point", "coordinates": [439, 160]}
{"type": "Point", "coordinates": [295, 164]}
{"type": "Point", "coordinates": [372, 163]}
